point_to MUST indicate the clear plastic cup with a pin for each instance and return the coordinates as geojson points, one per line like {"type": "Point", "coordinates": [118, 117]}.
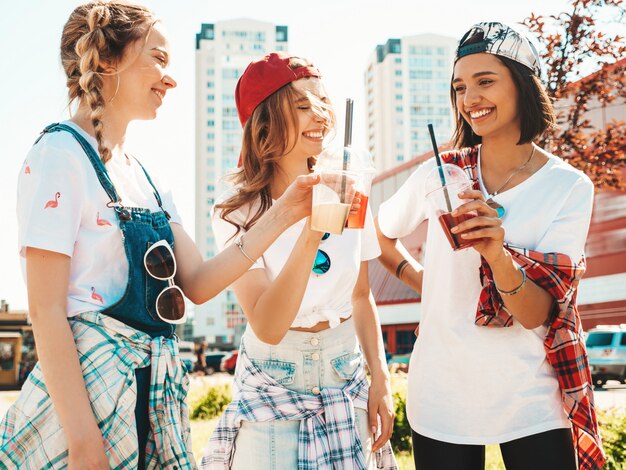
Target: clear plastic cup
{"type": "Point", "coordinates": [445, 199]}
{"type": "Point", "coordinates": [332, 199]}
{"type": "Point", "coordinates": [359, 161]}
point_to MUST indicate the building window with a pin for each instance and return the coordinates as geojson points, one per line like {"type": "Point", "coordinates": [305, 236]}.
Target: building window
{"type": "Point", "coordinates": [404, 341]}
{"type": "Point", "coordinates": [399, 158]}
{"type": "Point", "coordinates": [210, 72]}
{"type": "Point", "coordinates": [398, 60]}
{"type": "Point", "coordinates": [210, 149]}
{"type": "Point", "coordinates": [231, 74]}
{"type": "Point", "coordinates": [210, 110]}
{"type": "Point", "coordinates": [398, 73]}
{"type": "Point", "coordinates": [210, 85]}
{"type": "Point", "coordinates": [399, 97]}
{"type": "Point", "coordinates": [210, 135]}
{"type": "Point", "coordinates": [210, 123]}
{"type": "Point", "coordinates": [398, 109]}
{"type": "Point", "coordinates": [210, 97]}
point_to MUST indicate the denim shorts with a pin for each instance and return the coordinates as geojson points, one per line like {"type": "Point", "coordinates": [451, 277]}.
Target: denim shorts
{"type": "Point", "coordinates": [306, 363]}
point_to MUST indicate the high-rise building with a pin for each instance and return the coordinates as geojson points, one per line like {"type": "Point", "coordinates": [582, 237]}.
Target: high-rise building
{"type": "Point", "coordinates": [407, 86]}
{"type": "Point", "coordinates": [223, 51]}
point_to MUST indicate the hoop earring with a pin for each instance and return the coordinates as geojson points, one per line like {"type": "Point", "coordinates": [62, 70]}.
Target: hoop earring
{"type": "Point", "coordinates": [117, 87]}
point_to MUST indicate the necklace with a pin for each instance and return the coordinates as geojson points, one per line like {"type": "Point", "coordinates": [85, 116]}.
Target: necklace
{"type": "Point", "coordinates": [493, 204]}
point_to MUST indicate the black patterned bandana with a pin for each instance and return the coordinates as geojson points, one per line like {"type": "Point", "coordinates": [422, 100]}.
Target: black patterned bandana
{"type": "Point", "coordinates": [498, 39]}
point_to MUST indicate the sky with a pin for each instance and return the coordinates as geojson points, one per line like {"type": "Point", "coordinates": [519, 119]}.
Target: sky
{"type": "Point", "coordinates": [337, 35]}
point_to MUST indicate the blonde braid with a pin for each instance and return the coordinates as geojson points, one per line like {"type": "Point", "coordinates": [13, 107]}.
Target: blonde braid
{"type": "Point", "coordinates": [88, 49]}
{"type": "Point", "coordinates": [98, 33]}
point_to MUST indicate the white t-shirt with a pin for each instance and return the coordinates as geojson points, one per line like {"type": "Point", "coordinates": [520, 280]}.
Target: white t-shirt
{"type": "Point", "coordinates": [470, 384]}
{"type": "Point", "coordinates": [62, 207]}
{"type": "Point", "coordinates": [328, 296]}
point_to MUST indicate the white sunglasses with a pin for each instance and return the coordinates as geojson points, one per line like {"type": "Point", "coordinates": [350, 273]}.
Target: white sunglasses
{"type": "Point", "coordinates": [160, 263]}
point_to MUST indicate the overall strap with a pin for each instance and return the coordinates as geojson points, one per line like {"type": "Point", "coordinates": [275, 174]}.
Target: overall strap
{"type": "Point", "coordinates": [96, 162]}
{"type": "Point", "coordinates": [156, 191]}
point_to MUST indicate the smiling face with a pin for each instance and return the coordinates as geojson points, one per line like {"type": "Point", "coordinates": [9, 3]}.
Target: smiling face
{"type": "Point", "coordinates": [312, 117]}
{"type": "Point", "coordinates": [143, 81]}
{"type": "Point", "coordinates": [486, 95]}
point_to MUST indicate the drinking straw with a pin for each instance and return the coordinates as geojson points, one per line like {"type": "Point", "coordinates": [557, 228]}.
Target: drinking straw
{"type": "Point", "coordinates": [347, 141]}
{"type": "Point", "coordinates": [442, 177]}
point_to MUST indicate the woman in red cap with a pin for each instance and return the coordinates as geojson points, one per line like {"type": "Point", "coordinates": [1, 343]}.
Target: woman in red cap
{"type": "Point", "coordinates": [301, 397]}
{"type": "Point", "coordinates": [500, 356]}
{"type": "Point", "coordinates": [96, 236]}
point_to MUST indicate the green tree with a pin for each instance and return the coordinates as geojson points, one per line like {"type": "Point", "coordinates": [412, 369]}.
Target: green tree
{"type": "Point", "coordinates": [571, 41]}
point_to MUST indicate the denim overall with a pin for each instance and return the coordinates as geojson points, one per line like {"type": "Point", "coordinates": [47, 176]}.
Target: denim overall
{"type": "Point", "coordinates": [137, 308]}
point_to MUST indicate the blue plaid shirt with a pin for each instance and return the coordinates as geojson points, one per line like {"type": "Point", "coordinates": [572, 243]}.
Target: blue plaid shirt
{"type": "Point", "coordinates": [31, 435]}
{"type": "Point", "coordinates": [327, 437]}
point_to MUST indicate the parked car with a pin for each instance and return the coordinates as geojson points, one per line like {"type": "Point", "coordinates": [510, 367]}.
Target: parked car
{"type": "Point", "coordinates": [187, 356]}
{"type": "Point", "coordinates": [606, 349]}
{"type": "Point", "coordinates": [229, 362]}
{"type": "Point", "coordinates": [213, 361]}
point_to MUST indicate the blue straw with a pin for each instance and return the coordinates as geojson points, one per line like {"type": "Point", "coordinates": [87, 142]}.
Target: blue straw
{"type": "Point", "coordinates": [442, 176]}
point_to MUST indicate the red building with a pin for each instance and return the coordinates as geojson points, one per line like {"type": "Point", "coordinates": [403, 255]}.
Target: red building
{"type": "Point", "coordinates": [602, 292]}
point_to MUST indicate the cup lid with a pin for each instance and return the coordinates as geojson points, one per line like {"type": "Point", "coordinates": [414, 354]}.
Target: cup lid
{"type": "Point", "coordinates": [452, 174]}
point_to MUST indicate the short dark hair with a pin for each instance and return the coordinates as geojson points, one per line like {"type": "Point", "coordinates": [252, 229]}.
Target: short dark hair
{"type": "Point", "coordinates": [533, 104]}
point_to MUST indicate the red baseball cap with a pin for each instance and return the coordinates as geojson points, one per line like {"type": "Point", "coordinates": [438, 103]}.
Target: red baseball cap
{"type": "Point", "coordinates": [264, 77]}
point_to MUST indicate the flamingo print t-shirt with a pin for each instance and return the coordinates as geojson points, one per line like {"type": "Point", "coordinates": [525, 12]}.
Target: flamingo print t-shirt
{"type": "Point", "coordinates": [62, 207]}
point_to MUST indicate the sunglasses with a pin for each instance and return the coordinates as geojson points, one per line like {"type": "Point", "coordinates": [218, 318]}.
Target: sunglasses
{"type": "Point", "coordinates": [322, 260]}
{"type": "Point", "coordinates": [160, 263]}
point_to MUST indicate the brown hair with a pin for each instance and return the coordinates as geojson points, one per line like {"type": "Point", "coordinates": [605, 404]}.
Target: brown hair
{"type": "Point", "coordinates": [533, 105]}
{"type": "Point", "coordinates": [265, 140]}
{"type": "Point", "coordinates": [96, 36]}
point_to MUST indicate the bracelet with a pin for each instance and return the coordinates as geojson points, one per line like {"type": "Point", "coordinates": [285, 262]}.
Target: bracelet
{"type": "Point", "coordinates": [239, 242]}
{"type": "Point", "coordinates": [518, 288]}
{"type": "Point", "coordinates": [401, 267]}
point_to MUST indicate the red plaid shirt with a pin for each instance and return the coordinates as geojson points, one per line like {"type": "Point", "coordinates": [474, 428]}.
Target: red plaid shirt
{"type": "Point", "coordinates": [565, 349]}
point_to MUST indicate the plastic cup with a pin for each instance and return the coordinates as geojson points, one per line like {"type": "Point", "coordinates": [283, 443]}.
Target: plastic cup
{"type": "Point", "coordinates": [364, 187]}
{"type": "Point", "coordinates": [332, 199]}
{"type": "Point", "coordinates": [445, 199]}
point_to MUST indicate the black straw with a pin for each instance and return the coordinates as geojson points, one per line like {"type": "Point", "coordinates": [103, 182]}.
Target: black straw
{"type": "Point", "coordinates": [442, 176]}
{"type": "Point", "coordinates": [347, 141]}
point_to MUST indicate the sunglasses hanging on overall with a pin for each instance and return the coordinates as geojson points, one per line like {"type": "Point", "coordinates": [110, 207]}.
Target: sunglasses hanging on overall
{"type": "Point", "coordinates": [160, 263]}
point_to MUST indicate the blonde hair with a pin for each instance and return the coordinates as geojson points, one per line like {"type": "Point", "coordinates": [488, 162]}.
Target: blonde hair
{"type": "Point", "coordinates": [265, 141]}
{"type": "Point", "coordinates": [96, 36]}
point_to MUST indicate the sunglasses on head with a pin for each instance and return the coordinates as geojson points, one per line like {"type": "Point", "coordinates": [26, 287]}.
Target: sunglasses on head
{"type": "Point", "coordinates": [322, 260]}
{"type": "Point", "coordinates": [160, 263]}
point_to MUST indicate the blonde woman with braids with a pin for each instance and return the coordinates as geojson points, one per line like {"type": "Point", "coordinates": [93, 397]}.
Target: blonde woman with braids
{"type": "Point", "coordinates": [107, 262]}
{"type": "Point", "coordinates": [301, 397]}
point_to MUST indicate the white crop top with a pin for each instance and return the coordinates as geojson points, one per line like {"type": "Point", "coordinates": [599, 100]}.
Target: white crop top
{"type": "Point", "coordinates": [328, 296]}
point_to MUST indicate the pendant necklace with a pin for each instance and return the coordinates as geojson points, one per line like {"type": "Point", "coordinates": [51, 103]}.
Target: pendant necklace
{"type": "Point", "coordinates": [493, 204]}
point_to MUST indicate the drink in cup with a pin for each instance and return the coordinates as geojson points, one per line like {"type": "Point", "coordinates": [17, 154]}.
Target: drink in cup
{"type": "Point", "coordinates": [357, 220]}
{"type": "Point", "coordinates": [444, 199]}
{"type": "Point", "coordinates": [332, 199]}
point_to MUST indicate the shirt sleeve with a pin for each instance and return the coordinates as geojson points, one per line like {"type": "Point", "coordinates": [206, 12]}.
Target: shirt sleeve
{"type": "Point", "coordinates": [567, 234]}
{"type": "Point", "coordinates": [224, 231]}
{"type": "Point", "coordinates": [51, 191]}
{"type": "Point", "coordinates": [403, 212]}
{"type": "Point", "coordinates": [370, 248]}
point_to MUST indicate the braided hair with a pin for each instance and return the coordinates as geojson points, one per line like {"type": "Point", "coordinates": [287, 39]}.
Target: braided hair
{"type": "Point", "coordinates": [94, 38]}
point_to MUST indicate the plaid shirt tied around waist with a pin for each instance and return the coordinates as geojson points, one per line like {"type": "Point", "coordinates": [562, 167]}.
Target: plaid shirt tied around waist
{"type": "Point", "coordinates": [565, 349]}
{"type": "Point", "coordinates": [109, 351]}
{"type": "Point", "coordinates": [327, 438]}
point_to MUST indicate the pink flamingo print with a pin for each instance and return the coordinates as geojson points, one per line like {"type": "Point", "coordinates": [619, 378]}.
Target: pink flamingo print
{"type": "Point", "coordinates": [53, 203]}
{"type": "Point", "coordinates": [102, 222]}
{"type": "Point", "coordinates": [27, 170]}
{"type": "Point", "coordinates": [96, 296]}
